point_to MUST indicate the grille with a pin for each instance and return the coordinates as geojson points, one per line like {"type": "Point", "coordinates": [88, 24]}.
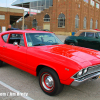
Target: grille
{"type": "Point", "coordinates": [93, 69]}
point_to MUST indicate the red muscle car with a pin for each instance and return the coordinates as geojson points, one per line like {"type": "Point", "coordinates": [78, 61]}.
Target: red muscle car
{"type": "Point", "coordinates": [42, 54]}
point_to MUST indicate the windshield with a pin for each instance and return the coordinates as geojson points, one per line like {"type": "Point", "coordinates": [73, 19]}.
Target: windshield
{"type": "Point", "coordinates": [39, 39]}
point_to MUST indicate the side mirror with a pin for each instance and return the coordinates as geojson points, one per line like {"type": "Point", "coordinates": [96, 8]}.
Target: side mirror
{"type": "Point", "coordinates": [15, 43]}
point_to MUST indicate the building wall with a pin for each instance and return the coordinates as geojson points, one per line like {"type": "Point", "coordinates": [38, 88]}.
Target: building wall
{"type": "Point", "coordinates": [70, 8]}
{"type": "Point", "coordinates": [7, 12]}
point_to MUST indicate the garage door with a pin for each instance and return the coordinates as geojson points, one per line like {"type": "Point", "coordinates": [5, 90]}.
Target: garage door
{"type": "Point", "coordinates": [46, 26]}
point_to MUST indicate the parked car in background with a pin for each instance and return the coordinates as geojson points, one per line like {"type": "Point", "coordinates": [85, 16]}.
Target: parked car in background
{"type": "Point", "coordinates": [46, 30]}
{"type": "Point", "coordinates": [42, 54]}
{"type": "Point", "coordinates": [15, 28]}
{"type": "Point", "coordinates": [85, 38]}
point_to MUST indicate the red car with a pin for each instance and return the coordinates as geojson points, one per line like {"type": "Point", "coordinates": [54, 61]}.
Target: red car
{"type": "Point", "coordinates": [42, 54]}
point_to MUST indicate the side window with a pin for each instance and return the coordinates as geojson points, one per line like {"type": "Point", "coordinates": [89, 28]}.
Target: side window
{"type": "Point", "coordinates": [89, 34]}
{"type": "Point", "coordinates": [16, 38]}
{"type": "Point", "coordinates": [96, 35]}
{"type": "Point", "coordinates": [22, 41]}
{"type": "Point", "coordinates": [82, 34]}
{"type": "Point", "coordinates": [5, 37]}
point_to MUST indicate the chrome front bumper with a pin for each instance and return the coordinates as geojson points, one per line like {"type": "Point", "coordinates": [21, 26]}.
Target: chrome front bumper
{"type": "Point", "coordinates": [79, 81]}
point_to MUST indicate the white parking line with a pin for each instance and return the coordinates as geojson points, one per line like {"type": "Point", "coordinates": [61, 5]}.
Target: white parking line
{"type": "Point", "coordinates": [14, 90]}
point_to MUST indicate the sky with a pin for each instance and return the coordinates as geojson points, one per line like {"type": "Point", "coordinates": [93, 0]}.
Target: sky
{"type": "Point", "coordinates": [7, 3]}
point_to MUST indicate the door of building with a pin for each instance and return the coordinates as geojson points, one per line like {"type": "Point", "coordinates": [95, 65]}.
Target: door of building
{"type": "Point", "coordinates": [46, 26]}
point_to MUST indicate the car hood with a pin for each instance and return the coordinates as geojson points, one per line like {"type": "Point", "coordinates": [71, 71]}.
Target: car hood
{"type": "Point", "coordinates": [83, 56]}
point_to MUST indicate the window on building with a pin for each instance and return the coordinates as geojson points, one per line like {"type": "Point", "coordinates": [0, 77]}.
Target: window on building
{"type": "Point", "coordinates": [46, 18]}
{"type": "Point", "coordinates": [84, 23]}
{"type": "Point", "coordinates": [86, 1]}
{"type": "Point", "coordinates": [91, 23]}
{"type": "Point", "coordinates": [34, 23]}
{"type": "Point", "coordinates": [77, 21]}
{"type": "Point", "coordinates": [97, 5]}
{"type": "Point", "coordinates": [61, 20]}
{"type": "Point", "coordinates": [92, 2]}
{"type": "Point", "coordinates": [96, 24]}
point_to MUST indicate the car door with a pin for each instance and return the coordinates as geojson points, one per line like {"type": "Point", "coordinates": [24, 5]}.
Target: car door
{"type": "Point", "coordinates": [81, 39]}
{"type": "Point", "coordinates": [97, 36]}
{"type": "Point", "coordinates": [3, 40]}
{"type": "Point", "coordinates": [15, 53]}
{"type": "Point", "coordinates": [91, 40]}
{"type": "Point", "coordinates": [95, 42]}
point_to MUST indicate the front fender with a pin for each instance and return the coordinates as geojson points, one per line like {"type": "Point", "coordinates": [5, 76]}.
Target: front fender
{"type": "Point", "coordinates": [68, 41]}
{"type": "Point", "coordinates": [64, 70]}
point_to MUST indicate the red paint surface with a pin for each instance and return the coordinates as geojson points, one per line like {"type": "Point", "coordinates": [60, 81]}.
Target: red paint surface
{"type": "Point", "coordinates": [57, 57]}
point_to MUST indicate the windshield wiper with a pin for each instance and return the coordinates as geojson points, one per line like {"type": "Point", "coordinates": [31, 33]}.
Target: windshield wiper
{"type": "Point", "coordinates": [39, 44]}
{"type": "Point", "coordinates": [55, 43]}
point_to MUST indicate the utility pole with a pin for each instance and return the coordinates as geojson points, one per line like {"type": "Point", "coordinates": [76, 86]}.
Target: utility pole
{"type": "Point", "coordinates": [23, 16]}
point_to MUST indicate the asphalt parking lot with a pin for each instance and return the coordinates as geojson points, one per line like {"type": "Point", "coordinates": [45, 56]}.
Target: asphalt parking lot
{"type": "Point", "coordinates": [14, 81]}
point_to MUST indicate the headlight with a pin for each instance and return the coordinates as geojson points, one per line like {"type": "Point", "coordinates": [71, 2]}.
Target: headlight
{"type": "Point", "coordinates": [85, 71]}
{"type": "Point", "coordinates": [79, 73]}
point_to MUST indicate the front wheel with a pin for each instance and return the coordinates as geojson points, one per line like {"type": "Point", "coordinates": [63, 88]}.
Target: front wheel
{"type": "Point", "coordinates": [1, 63]}
{"type": "Point", "coordinates": [72, 44]}
{"type": "Point", "coordinates": [49, 82]}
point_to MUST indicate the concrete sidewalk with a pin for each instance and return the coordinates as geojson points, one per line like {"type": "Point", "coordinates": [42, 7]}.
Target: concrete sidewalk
{"type": "Point", "coordinates": [61, 37]}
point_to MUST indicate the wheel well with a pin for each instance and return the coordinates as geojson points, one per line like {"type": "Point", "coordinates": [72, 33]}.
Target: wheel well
{"type": "Point", "coordinates": [76, 43]}
{"type": "Point", "coordinates": [41, 67]}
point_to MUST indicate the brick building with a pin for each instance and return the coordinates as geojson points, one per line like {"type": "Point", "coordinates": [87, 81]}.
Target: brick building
{"type": "Point", "coordinates": [67, 16]}
{"type": "Point", "coordinates": [9, 16]}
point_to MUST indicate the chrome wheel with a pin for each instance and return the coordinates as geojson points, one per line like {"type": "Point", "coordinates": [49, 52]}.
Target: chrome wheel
{"type": "Point", "coordinates": [47, 81]}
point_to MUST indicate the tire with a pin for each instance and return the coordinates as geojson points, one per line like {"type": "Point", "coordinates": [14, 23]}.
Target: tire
{"type": "Point", "coordinates": [1, 63]}
{"type": "Point", "coordinates": [49, 82]}
{"type": "Point", "coordinates": [72, 44]}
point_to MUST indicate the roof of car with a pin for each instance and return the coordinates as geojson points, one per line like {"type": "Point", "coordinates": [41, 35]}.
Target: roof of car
{"type": "Point", "coordinates": [26, 31]}
{"type": "Point", "coordinates": [80, 31]}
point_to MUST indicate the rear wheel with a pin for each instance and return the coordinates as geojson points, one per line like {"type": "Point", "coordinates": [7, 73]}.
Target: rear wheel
{"type": "Point", "coordinates": [49, 82]}
{"type": "Point", "coordinates": [1, 63]}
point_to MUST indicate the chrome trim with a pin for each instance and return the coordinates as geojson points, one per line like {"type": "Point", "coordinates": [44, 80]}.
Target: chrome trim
{"type": "Point", "coordinates": [77, 82]}
{"type": "Point", "coordinates": [47, 82]}
{"type": "Point", "coordinates": [91, 70]}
